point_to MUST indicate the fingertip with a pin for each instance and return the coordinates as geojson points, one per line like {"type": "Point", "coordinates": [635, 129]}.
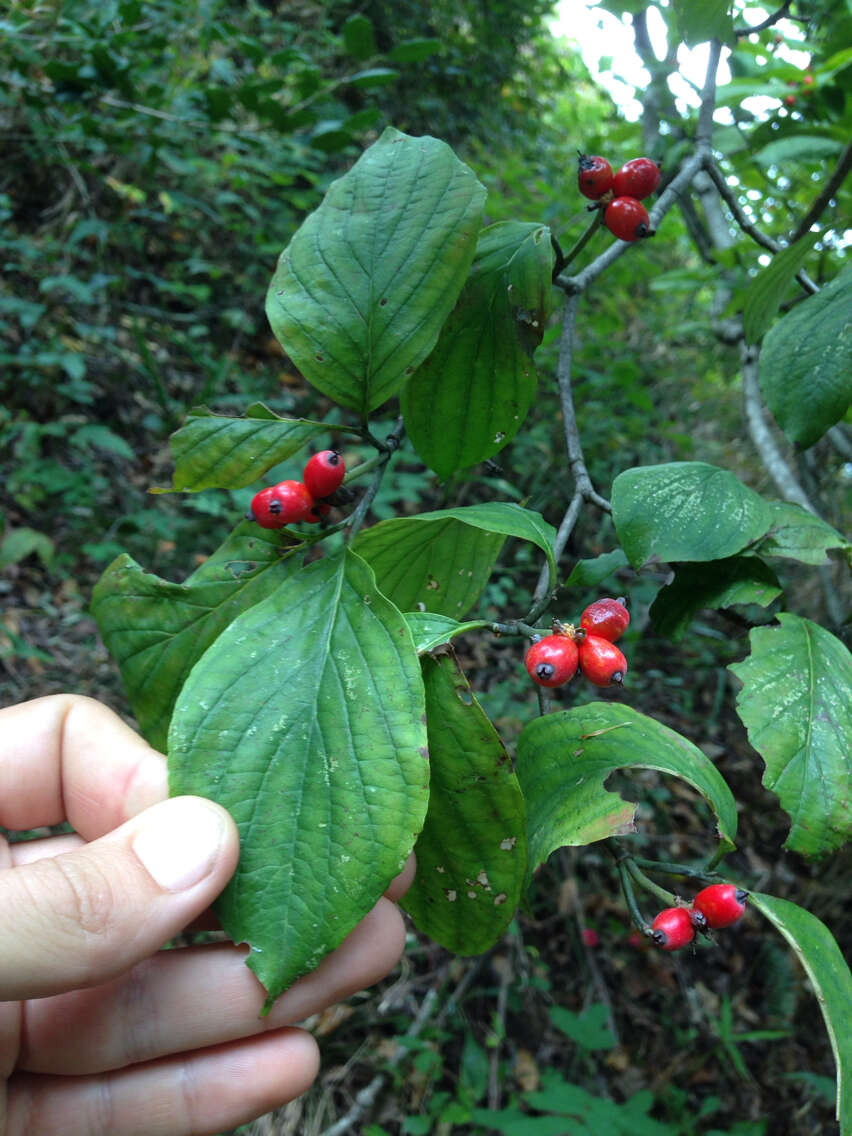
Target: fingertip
{"type": "Point", "coordinates": [401, 883]}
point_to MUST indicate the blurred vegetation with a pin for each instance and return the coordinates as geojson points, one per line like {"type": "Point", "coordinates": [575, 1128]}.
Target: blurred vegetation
{"type": "Point", "coordinates": [157, 158]}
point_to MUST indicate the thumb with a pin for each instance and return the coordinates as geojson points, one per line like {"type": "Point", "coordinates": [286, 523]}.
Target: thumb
{"type": "Point", "coordinates": [85, 916]}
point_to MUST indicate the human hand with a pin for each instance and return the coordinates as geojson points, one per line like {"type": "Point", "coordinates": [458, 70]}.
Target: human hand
{"type": "Point", "coordinates": [102, 1034]}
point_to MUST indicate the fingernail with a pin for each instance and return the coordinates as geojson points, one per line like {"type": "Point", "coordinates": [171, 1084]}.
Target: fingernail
{"type": "Point", "coordinates": [180, 842]}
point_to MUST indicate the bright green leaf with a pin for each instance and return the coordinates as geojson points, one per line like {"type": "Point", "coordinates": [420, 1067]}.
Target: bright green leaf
{"type": "Point", "coordinates": [19, 543]}
{"type": "Point", "coordinates": [590, 573]}
{"type": "Point", "coordinates": [797, 148]}
{"type": "Point", "coordinates": [590, 1030]}
{"type": "Point", "coordinates": [685, 511]}
{"type": "Point", "coordinates": [362, 290]}
{"type": "Point", "coordinates": [564, 759]}
{"type": "Point", "coordinates": [430, 631]}
{"type": "Point", "coordinates": [472, 394]}
{"type": "Point", "coordinates": [719, 584]}
{"type": "Point", "coordinates": [358, 37]}
{"type": "Point", "coordinates": [806, 363]}
{"type": "Point", "coordinates": [443, 559]}
{"type": "Point", "coordinates": [471, 854]}
{"type": "Point", "coordinates": [796, 534]}
{"type": "Point", "coordinates": [305, 720]}
{"type": "Point", "coordinates": [157, 630]}
{"type": "Point", "coordinates": [212, 451]}
{"type": "Point", "coordinates": [374, 77]}
{"type": "Point", "coordinates": [767, 289]}
{"type": "Point", "coordinates": [826, 967]}
{"type": "Point", "coordinates": [796, 703]}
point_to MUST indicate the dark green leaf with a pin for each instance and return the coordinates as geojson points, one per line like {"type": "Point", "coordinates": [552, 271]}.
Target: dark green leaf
{"type": "Point", "coordinates": [590, 1030]}
{"type": "Point", "coordinates": [767, 289]}
{"type": "Point", "coordinates": [305, 720]}
{"type": "Point", "coordinates": [471, 854]}
{"type": "Point", "coordinates": [374, 77]}
{"type": "Point", "coordinates": [564, 759]}
{"type": "Point", "coordinates": [443, 559]}
{"type": "Point", "coordinates": [157, 630]}
{"type": "Point", "coordinates": [358, 37]}
{"type": "Point", "coordinates": [806, 363]}
{"type": "Point", "coordinates": [590, 573]}
{"type": "Point", "coordinates": [212, 451]}
{"type": "Point", "coordinates": [19, 543]}
{"type": "Point", "coordinates": [700, 20]}
{"type": "Point", "coordinates": [685, 511]}
{"type": "Point", "coordinates": [796, 534]}
{"type": "Point", "coordinates": [796, 703]}
{"type": "Point", "coordinates": [414, 50]}
{"type": "Point", "coordinates": [364, 287]}
{"type": "Point", "coordinates": [720, 584]}
{"type": "Point", "coordinates": [430, 631]}
{"type": "Point", "coordinates": [798, 148]}
{"type": "Point", "coordinates": [472, 394]}
{"type": "Point", "coordinates": [820, 955]}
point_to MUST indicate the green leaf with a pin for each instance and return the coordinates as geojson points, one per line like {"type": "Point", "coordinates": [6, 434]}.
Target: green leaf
{"type": "Point", "coordinates": [590, 1030]}
{"type": "Point", "coordinates": [685, 511]}
{"type": "Point", "coordinates": [365, 285]}
{"type": "Point", "coordinates": [767, 289]}
{"type": "Point", "coordinates": [472, 394]}
{"type": "Point", "coordinates": [797, 148]}
{"type": "Point", "coordinates": [19, 543]}
{"type": "Point", "coordinates": [820, 955]}
{"type": "Point", "coordinates": [374, 77]}
{"type": "Point", "coordinates": [414, 50]}
{"type": "Point", "coordinates": [565, 758]}
{"type": "Point", "coordinates": [806, 363]}
{"type": "Point", "coordinates": [358, 37]}
{"type": "Point", "coordinates": [796, 534]}
{"type": "Point", "coordinates": [305, 720]}
{"type": "Point", "coordinates": [700, 20]}
{"type": "Point", "coordinates": [102, 438]}
{"type": "Point", "coordinates": [796, 703]}
{"type": "Point", "coordinates": [430, 631]}
{"type": "Point", "coordinates": [590, 573]}
{"type": "Point", "coordinates": [212, 451]}
{"type": "Point", "coordinates": [157, 630]}
{"type": "Point", "coordinates": [471, 854]}
{"type": "Point", "coordinates": [720, 584]}
{"type": "Point", "coordinates": [443, 559]}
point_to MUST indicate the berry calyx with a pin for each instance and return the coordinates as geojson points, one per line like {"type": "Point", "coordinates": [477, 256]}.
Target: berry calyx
{"type": "Point", "coordinates": [637, 178]}
{"type": "Point", "coordinates": [672, 929]}
{"type": "Point", "coordinates": [552, 661]}
{"type": "Point", "coordinates": [601, 661]}
{"type": "Point", "coordinates": [324, 473]}
{"type": "Point", "coordinates": [594, 176]}
{"type": "Point", "coordinates": [280, 505]}
{"type": "Point", "coordinates": [721, 904]}
{"type": "Point", "coordinates": [607, 618]}
{"type": "Point", "coordinates": [627, 219]}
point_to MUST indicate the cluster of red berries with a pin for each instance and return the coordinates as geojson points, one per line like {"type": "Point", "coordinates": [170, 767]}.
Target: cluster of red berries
{"type": "Point", "coordinates": [555, 659]}
{"type": "Point", "coordinates": [620, 195]}
{"type": "Point", "coordinates": [716, 906]}
{"type": "Point", "coordinates": [293, 501]}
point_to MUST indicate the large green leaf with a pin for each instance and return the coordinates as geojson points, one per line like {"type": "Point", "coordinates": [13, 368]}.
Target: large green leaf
{"type": "Point", "coordinates": [767, 289]}
{"type": "Point", "coordinates": [806, 363]}
{"type": "Point", "coordinates": [212, 451]}
{"type": "Point", "coordinates": [361, 292]}
{"type": "Point", "coordinates": [685, 511]}
{"type": "Point", "coordinates": [430, 631]}
{"type": "Point", "coordinates": [796, 534]}
{"type": "Point", "coordinates": [305, 720]}
{"type": "Point", "coordinates": [443, 559]}
{"type": "Point", "coordinates": [700, 20]}
{"type": "Point", "coordinates": [826, 967]}
{"type": "Point", "coordinates": [157, 630]}
{"type": "Point", "coordinates": [719, 584]}
{"type": "Point", "coordinates": [565, 758]}
{"type": "Point", "coordinates": [472, 394]}
{"type": "Point", "coordinates": [590, 573]}
{"type": "Point", "coordinates": [471, 854]}
{"type": "Point", "coordinates": [796, 703]}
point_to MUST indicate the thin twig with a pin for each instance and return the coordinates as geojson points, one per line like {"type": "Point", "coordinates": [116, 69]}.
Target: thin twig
{"type": "Point", "coordinates": [500, 1018]}
{"type": "Point", "coordinates": [783, 11]}
{"type": "Point", "coordinates": [844, 164]}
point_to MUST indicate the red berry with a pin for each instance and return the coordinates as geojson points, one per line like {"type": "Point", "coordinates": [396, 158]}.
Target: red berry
{"type": "Point", "coordinates": [637, 178]}
{"type": "Point", "coordinates": [789, 100]}
{"type": "Point", "coordinates": [317, 513]}
{"type": "Point", "coordinates": [601, 661]}
{"type": "Point", "coordinates": [590, 937]}
{"type": "Point", "coordinates": [594, 176]}
{"type": "Point", "coordinates": [607, 618]}
{"type": "Point", "coordinates": [324, 473]}
{"type": "Point", "coordinates": [627, 219]}
{"type": "Point", "coordinates": [721, 904]}
{"type": "Point", "coordinates": [672, 929]}
{"type": "Point", "coordinates": [552, 661]}
{"type": "Point", "coordinates": [281, 505]}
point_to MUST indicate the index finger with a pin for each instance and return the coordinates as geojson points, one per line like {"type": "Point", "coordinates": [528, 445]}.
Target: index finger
{"type": "Point", "coordinates": [66, 757]}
